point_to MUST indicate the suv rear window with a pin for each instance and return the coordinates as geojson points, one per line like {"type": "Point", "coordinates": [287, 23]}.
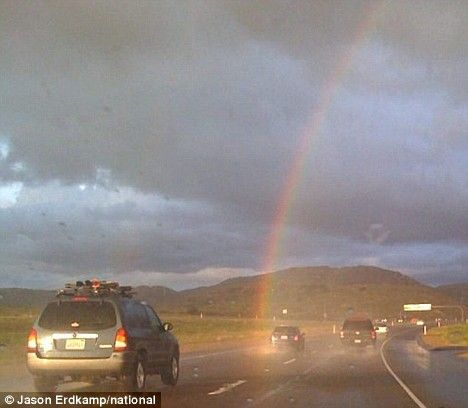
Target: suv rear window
{"type": "Point", "coordinates": [89, 316]}
{"type": "Point", "coordinates": [357, 325]}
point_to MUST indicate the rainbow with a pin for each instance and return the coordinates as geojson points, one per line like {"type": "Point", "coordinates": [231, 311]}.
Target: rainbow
{"type": "Point", "coordinates": [311, 131]}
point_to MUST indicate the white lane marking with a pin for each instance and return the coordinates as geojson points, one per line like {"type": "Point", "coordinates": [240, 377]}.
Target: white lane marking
{"type": "Point", "coordinates": [227, 387]}
{"type": "Point", "coordinates": [289, 361]}
{"type": "Point", "coordinates": [416, 400]}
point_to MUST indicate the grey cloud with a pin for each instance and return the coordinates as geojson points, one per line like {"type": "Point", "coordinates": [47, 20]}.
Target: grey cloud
{"type": "Point", "coordinates": [140, 234]}
{"type": "Point", "coordinates": [204, 103]}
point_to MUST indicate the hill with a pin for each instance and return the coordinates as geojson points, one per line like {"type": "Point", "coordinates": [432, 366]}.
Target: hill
{"type": "Point", "coordinates": [456, 291]}
{"type": "Point", "coordinates": [32, 299]}
{"type": "Point", "coordinates": [24, 298]}
{"type": "Point", "coordinates": [310, 292]}
{"type": "Point", "coordinates": [307, 293]}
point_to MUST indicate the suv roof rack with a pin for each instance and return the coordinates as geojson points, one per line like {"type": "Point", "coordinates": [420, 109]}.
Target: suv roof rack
{"type": "Point", "coordinates": [95, 287]}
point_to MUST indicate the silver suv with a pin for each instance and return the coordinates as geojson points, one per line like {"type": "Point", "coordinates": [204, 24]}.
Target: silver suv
{"type": "Point", "coordinates": [96, 329]}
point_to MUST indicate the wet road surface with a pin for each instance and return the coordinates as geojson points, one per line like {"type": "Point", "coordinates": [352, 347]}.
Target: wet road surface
{"type": "Point", "coordinates": [325, 375]}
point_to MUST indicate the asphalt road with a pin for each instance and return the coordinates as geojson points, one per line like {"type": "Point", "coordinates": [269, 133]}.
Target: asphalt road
{"type": "Point", "coordinates": [325, 375]}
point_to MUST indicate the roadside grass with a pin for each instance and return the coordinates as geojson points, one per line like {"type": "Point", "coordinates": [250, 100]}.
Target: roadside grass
{"type": "Point", "coordinates": [454, 335]}
{"type": "Point", "coordinates": [192, 332]}
{"type": "Point", "coordinates": [195, 333]}
{"type": "Point", "coordinates": [13, 337]}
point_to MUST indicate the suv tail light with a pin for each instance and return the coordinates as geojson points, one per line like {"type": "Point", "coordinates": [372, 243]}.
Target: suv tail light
{"type": "Point", "coordinates": [32, 341]}
{"type": "Point", "coordinates": [80, 299]}
{"type": "Point", "coordinates": [121, 340]}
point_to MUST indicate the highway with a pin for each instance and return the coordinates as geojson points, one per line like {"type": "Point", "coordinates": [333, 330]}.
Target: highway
{"type": "Point", "coordinates": [325, 375]}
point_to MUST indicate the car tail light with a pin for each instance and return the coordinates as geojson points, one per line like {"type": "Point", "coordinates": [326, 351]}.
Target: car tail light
{"type": "Point", "coordinates": [341, 334]}
{"type": "Point", "coordinates": [32, 341]}
{"type": "Point", "coordinates": [296, 337]}
{"type": "Point", "coordinates": [373, 334]}
{"type": "Point", "coordinates": [121, 340]}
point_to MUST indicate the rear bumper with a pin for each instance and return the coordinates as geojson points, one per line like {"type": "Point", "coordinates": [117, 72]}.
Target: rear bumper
{"type": "Point", "coordinates": [116, 364]}
{"type": "Point", "coordinates": [358, 342]}
{"type": "Point", "coordinates": [286, 344]}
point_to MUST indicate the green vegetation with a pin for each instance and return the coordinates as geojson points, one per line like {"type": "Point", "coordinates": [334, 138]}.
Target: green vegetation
{"type": "Point", "coordinates": [307, 293]}
{"type": "Point", "coordinates": [304, 301]}
{"type": "Point", "coordinates": [310, 293]}
{"type": "Point", "coordinates": [14, 330]}
{"type": "Point", "coordinates": [195, 333]}
{"type": "Point", "coordinates": [455, 335]}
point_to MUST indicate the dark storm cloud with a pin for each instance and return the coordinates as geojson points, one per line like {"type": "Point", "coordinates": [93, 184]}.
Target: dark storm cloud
{"type": "Point", "coordinates": [145, 234]}
{"type": "Point", "coordinates": [204, 103]}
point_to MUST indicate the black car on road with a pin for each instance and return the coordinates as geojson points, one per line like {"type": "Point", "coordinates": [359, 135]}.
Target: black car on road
{"type": "Point", "coordinates": [288, 336]}
{"type": "Point", "coordinates": [358, 331]}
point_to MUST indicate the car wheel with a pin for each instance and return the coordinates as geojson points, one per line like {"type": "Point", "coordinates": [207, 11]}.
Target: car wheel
{"type": "Point", "coordinates": [135, 380]}
{"type": "Point", "coordinates": [45, 384]}
{"type": "Point", "coordinates": [170, 374]}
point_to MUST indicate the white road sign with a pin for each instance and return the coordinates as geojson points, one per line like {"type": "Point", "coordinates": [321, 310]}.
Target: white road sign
{"type": "Point", "coordinates": [420, 307]}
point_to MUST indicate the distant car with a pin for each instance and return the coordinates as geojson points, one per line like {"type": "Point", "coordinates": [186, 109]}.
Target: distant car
{"type": "Point", "coordinates": [358, 331]}
{"type": "Point", "coordinates": [96, 329]}
{"type": "Point", "coordinates": [288, 336]}
{"type": "Point", "coordinates": [381, 328]}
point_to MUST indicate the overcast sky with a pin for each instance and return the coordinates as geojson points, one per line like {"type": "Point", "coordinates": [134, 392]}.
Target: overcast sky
{"type": "Point", "coordinates": [149, 141]}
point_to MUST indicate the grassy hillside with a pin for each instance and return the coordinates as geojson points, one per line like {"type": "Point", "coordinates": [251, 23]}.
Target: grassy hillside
{"type": "Point", "coordinates": [457, 291]}
{"type": "Point", "coordinates": [24, 298]}
{"type": "Point", "coordinates": [22, 301]}
{"type": "Point", "coordinates": [309, 301]}
{"type": "Point", "coordinates": [307, 293]}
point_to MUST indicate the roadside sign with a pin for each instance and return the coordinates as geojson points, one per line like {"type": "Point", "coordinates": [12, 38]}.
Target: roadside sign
{"type": "Point", "coordinates": [420, 307]}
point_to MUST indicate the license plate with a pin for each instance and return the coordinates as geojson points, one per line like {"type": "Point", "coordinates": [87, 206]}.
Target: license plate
{"type": "Point", "coordinates": [284, 337]}
{"type": "Point", "coordinates": [357, 340]}
{"type": "Point", "coordinates": [75, 344]}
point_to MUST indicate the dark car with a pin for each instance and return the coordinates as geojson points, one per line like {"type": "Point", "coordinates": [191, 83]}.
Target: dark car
{"type": "Point", "coordinates": [358, 331]}
{"type": "Point", "coordinates": [288, 336]}
{"type": "Point", "coordinates": [96, 329]}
